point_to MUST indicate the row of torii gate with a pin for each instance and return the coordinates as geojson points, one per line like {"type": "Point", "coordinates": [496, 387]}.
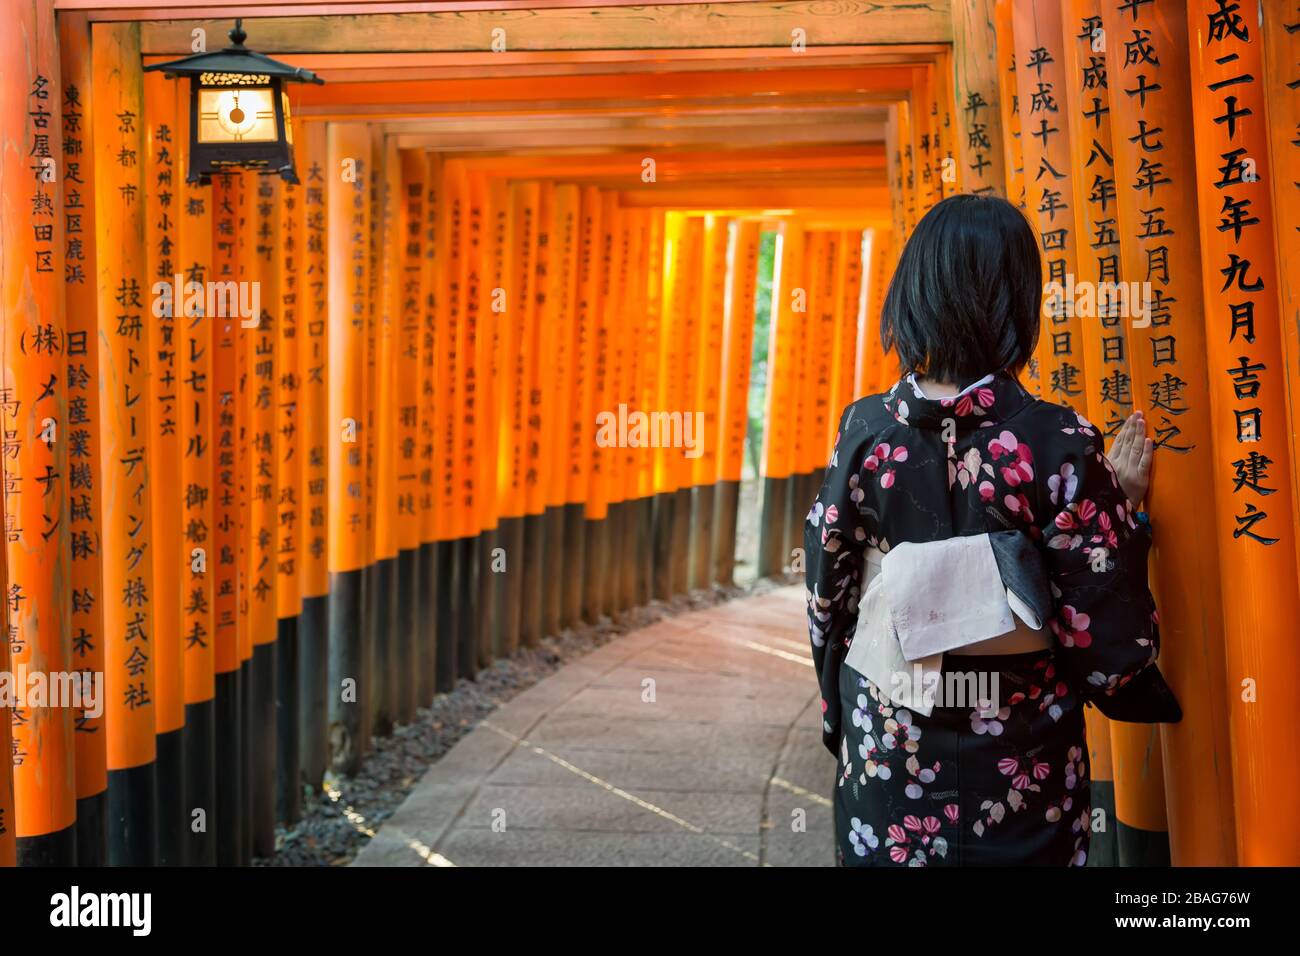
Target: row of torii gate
{"type": "Point", "coordinates": [284, 461]}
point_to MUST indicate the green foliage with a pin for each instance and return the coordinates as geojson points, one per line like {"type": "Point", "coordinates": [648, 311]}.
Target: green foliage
{"type": "Point", "coordinates": [758, 368]}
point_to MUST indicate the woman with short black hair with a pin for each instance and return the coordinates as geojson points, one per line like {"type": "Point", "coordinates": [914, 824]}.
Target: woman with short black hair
{"type": "Point", "coordinates": [958, 463]}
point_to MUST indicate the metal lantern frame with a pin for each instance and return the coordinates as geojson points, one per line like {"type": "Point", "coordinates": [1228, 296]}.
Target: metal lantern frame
{"type": "Point", "coordinates": [238, 68]}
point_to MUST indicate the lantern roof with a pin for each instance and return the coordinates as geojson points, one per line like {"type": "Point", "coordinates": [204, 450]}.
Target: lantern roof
{"type": "Point", "coordinates": [235, 58]}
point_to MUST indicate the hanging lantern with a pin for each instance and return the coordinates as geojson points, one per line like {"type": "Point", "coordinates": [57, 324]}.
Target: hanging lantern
{"type": "Point", "coordinates": [239, 110]}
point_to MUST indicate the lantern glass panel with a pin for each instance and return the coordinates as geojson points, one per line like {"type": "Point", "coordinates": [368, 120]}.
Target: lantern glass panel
{"type": "Point", "coordinates": [288, 126]}
{"type": "Point", "coordinates": [238, 115]}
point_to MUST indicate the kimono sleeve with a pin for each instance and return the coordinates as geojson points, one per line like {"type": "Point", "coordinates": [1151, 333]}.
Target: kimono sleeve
{"type": "Point", "coordinates": [834, 543]}
{"type": "Point", "coordinates": [1106, 625]}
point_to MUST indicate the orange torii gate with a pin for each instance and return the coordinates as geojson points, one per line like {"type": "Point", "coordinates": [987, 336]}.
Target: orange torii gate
{"type": "Point", "coordinates": [278, 540]}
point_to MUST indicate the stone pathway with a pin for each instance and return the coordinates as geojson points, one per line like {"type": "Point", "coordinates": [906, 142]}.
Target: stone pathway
{"type": "Point", "coordinates": [692, 742]}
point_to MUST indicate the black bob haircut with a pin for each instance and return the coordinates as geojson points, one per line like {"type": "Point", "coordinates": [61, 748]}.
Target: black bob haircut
{"type": "Point", "coordinates": [965, 298]}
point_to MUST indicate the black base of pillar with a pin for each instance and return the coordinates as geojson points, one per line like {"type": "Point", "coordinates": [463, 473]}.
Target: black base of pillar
{"type": "Point", "coordinates": [772, 556]}
{"type": "Point", "coordinates": [466, 607]}
{"type": "Point", "coordinates": [288, 789]}
{"type": "Point", "coordinates": [50, 849]}
{"type": "Point", "coordinates": [200, 742]}
{"type": "Point", "coordinates": [662, 544]}
{"type": "Point", "coordinates": [345, 686]}
{"type": "Point", "coordinates": [530, 598]}
{"type": "Point", "coordinates": [616, 551]}
{"type": "Point", "coordinates": [645, 513]}
{"type": "Point", "coordinates": [445, 645]}
{"type": "Point", "coordinates": [485, 626]}
{"type": "Point", "coordinates": [313, 679]}
{"type": "Point", "coordinates": [383, 613]}
{"type": "Point", "coordinates": [92, 829]}
{"type": "Point", "coordinates": [679, 564]}
{"type": "Point", "coordinates": [132, 818]}
{"type": "Point", "coordinates": [1102, 848]}
{"type": "Point", "coordinates": [169, 769]}
{"type": "Point", "coordinates": [702, 507]}
{"type": "Point", "coordinates": [726, 510]}
{"type": "Point", "coordinates": [247, 734]}
{"type": "Point", "coordinates": [593, 584]}
{"type": "Point", "coordinates": [406, 635]}
{"type": "Point", "coordinates": [426, 657]}
{"type": "Point", "coordinates": [510, 585]}
{"type": "Point", "coordinates": [227, 823]}
{"type": "Point", "coordinates": [556, 569]}
{"type": "Point", "coordinates": [1140, 847]}
{"type": "Point", "coordinates": [575, 550]}
{"type": "Point", "coordinates": [262, 740]}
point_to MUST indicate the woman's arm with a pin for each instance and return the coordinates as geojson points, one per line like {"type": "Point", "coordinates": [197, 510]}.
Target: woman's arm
{"type": "Point", "coordinates": [834, 542]}
{"type": "Point", "coordinates": [1096, 551]}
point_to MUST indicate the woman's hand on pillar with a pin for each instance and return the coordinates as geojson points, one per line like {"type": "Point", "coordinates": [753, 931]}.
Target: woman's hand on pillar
{"type": "Point", "coordinates": [1130, 455]}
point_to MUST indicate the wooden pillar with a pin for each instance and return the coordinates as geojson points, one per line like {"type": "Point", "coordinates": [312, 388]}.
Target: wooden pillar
{"type": "Point", "coordinates": [245, 265]}
{"type": "Point", "coordinates": [1108, 383]}
{"type": "Point", "coordinates": [1159, 245]}
{"type": "Point", "coordinates": [652, 330]}
{"type": "Point", "coordinates": [228, 814]}
{"type": "Point", "coordinates": [317, 432]}
{"type": "Point", "coordinates": [81, 302]}
{"type": "Point", "coordinates": [1041, 82]}
{"type": "Point", "coordinates": [33, 411]}
{"type": "Point", "coordinates": [430, 487]}
{"type": "Point", "coordinates": [595, 503]}
{"type": "Point", "coordinates": [706, 404]}
{"type": "Point", "coordinates": [637, 509]}
{"type": "Point", "coordinates": [579, 444]}
{"type": "Point", "coordinates": [117, 128]}
{"type": "Point", "coordinates": [1009, 102]}
{"type": "Point", "coordinates": [849, 275]}
{"type": "Point", "coordinates": [466, 512]}
{"type": "Point", "coordinates": [978, 112]}
{"type": "Point", "coordinates": [949, 168]}
{"type": "Point", "coordinates": [491, 266]}
{"type": "Point", "coordinates": [873, 366]}
{"type": "Point", "coordinates": [1281, 77]}
{"type": "Point", "coordinates": [667, 378]}
{"type": "Point", "coordinates": [348, 216]}
{"type": "Point", "coordinates": [684, 389]}
{"type": "Point", "coordinates": [533, 332]}
{"type": "Point", "coordinates": [161, 190]}
{"type": "Point", "coordinates": [263, 232]}
{"type": "Point", "coordinates": [800, 289]}
{"type": "Point", "coordinates": [8, 846]}
{"type": "Point", "coordinates": [733, 415]}
{"type": "Point", "coordinates": [195, 416]}
{"type": "Point", "coordinates": [1253, 451]}
{"type": "Point", "coordinates": [410, 237]}
{"type": "Point", "coordinates": [287, 250]}
{"type": "Point", "coordinates": [559, 422]}
{"type": "Point", "coordinates": [384, 306]}
{"type": "Point", "coordinates": [522, 199]}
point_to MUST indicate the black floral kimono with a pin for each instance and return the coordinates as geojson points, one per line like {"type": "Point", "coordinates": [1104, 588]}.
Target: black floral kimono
{"type": "Point", "coordinates": [968, 786]}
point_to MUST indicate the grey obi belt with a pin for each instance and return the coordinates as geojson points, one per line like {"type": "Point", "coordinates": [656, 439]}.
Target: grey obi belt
{"type": "Point", "coordinates": [923, 600]}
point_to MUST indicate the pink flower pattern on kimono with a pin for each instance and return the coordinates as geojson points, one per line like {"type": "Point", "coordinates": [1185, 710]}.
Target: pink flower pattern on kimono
{"type": "Point", "coordinates": [883, 461]}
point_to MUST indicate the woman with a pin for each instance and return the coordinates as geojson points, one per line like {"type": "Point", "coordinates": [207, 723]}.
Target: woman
{"type": "Point", "coordinates": [958, 448]}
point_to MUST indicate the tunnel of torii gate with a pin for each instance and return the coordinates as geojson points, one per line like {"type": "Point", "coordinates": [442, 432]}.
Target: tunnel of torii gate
{"type": "Point", "coordinates": [389, 438]}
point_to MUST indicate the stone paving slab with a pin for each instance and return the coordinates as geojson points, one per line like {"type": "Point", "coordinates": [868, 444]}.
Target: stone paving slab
{"type": "Point", "coordinates": [724, 768]}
